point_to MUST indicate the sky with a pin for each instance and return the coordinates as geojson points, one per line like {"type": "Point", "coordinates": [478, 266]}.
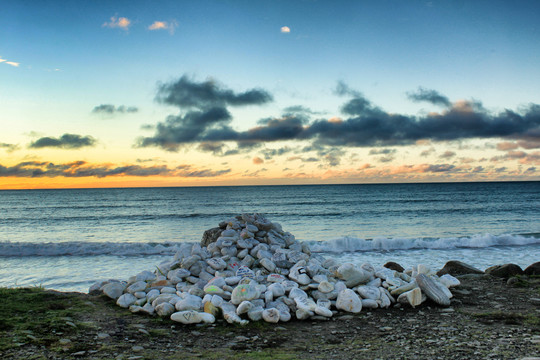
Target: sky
{"type": "Point", "coordinates": [203, 93]}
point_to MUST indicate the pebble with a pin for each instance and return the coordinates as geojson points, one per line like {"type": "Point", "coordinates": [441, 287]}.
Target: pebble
{"type": "Point", "coordinates": [255, 270]}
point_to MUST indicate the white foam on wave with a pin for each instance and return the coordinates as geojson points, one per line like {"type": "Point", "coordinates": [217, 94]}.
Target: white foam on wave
{"type": "Point", "coordinates": [342, 244]}
{"type": "Point", "coordinates": [351, 244]}
{"type": "Point", "coordinates": [78, 248]}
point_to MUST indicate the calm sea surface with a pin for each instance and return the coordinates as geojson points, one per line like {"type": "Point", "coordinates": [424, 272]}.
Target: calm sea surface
{"type": "Point", "coordinates": [67, 239]}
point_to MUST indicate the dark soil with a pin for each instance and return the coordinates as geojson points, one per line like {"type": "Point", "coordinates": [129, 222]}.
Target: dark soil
{"type": "Point", "coordinates": [487, 319]}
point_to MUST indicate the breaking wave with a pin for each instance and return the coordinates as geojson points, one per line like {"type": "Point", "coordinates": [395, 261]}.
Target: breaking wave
{"type": "Point", "coordinates": [342, 244]}
{"type": "Point", "coordinates": [351, 244]}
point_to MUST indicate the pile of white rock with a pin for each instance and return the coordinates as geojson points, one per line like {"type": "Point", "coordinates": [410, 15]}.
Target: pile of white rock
{"type": "Point", "coordinates": [250, 269]}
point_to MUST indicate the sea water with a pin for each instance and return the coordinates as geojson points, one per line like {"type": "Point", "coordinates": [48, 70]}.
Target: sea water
{"type": "Point", "coordinates": [68, 239]}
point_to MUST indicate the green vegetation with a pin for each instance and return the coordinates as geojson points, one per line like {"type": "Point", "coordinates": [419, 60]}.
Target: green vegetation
{"type": "Point", "coordinates": [36, 315]}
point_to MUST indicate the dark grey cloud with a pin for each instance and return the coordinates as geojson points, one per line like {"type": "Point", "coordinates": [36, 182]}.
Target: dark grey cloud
{"type": "Point", "coordinates": [430, 96]}
{"type": "Point", "coordinates": [9, 147]}
{"type": "Point", "coordinates": [440, 168]}
{"type": "Point", "coordinates": [66, 141]}
{"type": "Point", "coordinates": [109, 109]}
{"type": "Point", "coordinates": [205, 116]}
{"type": "Point", "coordinates": [208, 120]}
{"type": "Point", "coordinates": [187, 93]}
{"type": "Point", "coordinates": [82, 169]}
{"type": "Point", "coordinates": [447, 155]}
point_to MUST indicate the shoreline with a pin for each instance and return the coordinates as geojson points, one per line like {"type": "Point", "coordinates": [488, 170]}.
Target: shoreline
{"type": "Point", "coordinates": [489, 317]}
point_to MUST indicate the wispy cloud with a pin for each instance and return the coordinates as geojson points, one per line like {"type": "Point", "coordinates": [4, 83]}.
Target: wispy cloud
{"type": "Point", "coordinates": [428, 95]}
{"type": "Point", "coordinates": [66, 141]}
{"type": "Point", "coordinates": [9, 147]}
{"type": "Point", "coordinates": [164, 25]}
{"type": "Point", "coordinates": [34, 169]}
{"type": "Point", "coordinates": [118, 22]}
{"type": "Point", "coordinates": [12, 63]}
{"type": "Point", "coordinates": [109, 109]}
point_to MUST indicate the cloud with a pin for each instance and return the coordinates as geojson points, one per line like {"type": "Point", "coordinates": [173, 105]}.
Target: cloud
{"type": "Point", "coordinates": [9, 147]}
{"type": "Point", "coordinates": [121, 23]}
{"type": "Point", "coordinates": [431, 96]}
{"type": "Point", "coordinates": [382, 151]}
{"type": "Point", "coordinates": [205, 116]}
{"type": "Point", "coordinates": [11, 63]}
{"type": "Point", "coordinates": [522, 157]}
{"type": "Point", "coordinates": [447, 155]}
{"type": "Point", "coordinates": [206, 119]}
{"type": "Point", "coordinates": [66, 141]}
{"type": "Point", "coordinates": [257, 160]}
{"type": "Point", "coordinates": [109, 109]}
{"type": "Point", "coordinates": [187, 93]}
{"type": "Point", "coordinates": [285, 29]}
{"type": "Point", "coordinates": [164, 25]}
{"type": "Point", "coordinates": [74, 169]}
{"type": "Point", "coordinates": [299, 109]}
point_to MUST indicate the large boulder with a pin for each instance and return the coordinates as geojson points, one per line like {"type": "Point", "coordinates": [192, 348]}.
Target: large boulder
{"type": "Point", "coordinates": [455, 267]}
{"type": "Point", "coordinates": [533, 269]}
{"type": "Point", "coordinates": [504, 271]}
{"type": "Point", "coordinates": [210, 236]}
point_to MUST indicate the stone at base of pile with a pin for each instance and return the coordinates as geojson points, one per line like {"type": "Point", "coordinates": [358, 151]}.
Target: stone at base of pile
{"type": "Point", "coordinates": [250, 269]}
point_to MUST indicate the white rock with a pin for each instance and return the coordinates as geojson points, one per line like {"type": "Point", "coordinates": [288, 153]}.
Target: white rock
{"type": "Point", "coordinates": [244, 307]}
{"type": "Point", "coordinates": [449, 281]}
{"type": "Point", "coordinates": [277, 289]}
{"type": "Point", "coordinates": [244, 271]}
{"type": "Point", "coordinates": [217, 263]}
{"type": "Point", "coordinates": [244, 292]}
{"type": "Point", "coordinates": [168, 290]}
{"type": "Point", "coordinates": [369, 304]}
{"type": "Point", "coordinates": [255, 313]}
{"type": "Point", "coordinates": [349, 301]}
{"type": "Point", "coordinates": [188, 317]}
{"type": "Point", "coordinates": [299, 275]}
{"type": "Point", "coordinates": [268, 264]}
{"type": "Point", "coordinates": [113, 289]}
{"type": "Point", "coordinates": [126, 300]}
{"type": "Point", "coordinates": [297, 293]}
{"type": "Point", "coordinates": [369, 292]}
{"type": "Point", "coordinates": [147, 309]}
{"type": "Point", "coordinates": [140, 295]}
{"type": "Point", "coordinates": [268, 296]}
{"type": "Point", "coordinates": [190, 302]}
{"type": "Point", "coordinates": [325, 286]}
{"type": "Point", "coordinates": [271, 315]}
{"type": "Point", "coordinates": [164, 309]}
{"type": "Point", "coordinates": [302, 314]}
{"type": "Point", "coordinates": [323, 311]}
{"type": "Point", "coordinates": [352, 275]}
{"type": "Point", "coordinates": [152, 295]}
{"type": "Point", "coordinates": [412, 297]}
{"type": "Point", "coordinates": [324, 303]}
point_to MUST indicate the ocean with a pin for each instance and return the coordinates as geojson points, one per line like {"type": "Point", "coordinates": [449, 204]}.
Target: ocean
{"type": "Point", "coordinates": [68, 239]}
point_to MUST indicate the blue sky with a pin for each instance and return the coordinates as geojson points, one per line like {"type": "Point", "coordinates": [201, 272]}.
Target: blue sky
{"type": "Point", "coordinates": [60, 60]}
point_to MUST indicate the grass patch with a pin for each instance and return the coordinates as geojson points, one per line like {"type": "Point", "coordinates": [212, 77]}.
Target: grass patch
{"type": "Point", "coordinates": [35, 315]}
